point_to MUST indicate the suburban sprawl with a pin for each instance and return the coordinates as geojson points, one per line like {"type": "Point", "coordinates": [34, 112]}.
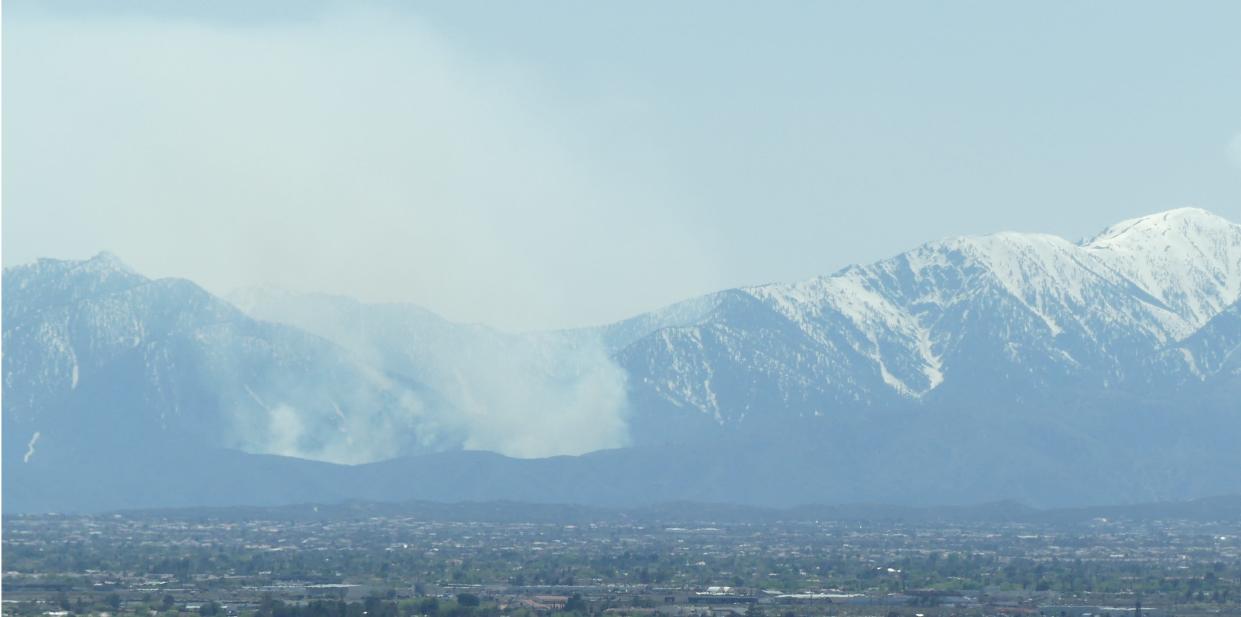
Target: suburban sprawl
{"type": "Point", "coordinates": [389, 562]}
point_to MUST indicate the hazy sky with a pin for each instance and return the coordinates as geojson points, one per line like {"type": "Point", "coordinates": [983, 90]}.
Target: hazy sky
{"type": "Point", "coordinates": [544, 164]}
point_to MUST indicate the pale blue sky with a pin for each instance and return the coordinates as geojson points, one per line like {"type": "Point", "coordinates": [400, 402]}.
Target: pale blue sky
{"type": "Point", "coordinates": [551, 164]}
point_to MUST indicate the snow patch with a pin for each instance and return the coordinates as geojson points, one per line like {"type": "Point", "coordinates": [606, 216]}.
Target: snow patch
{"type": "Point", "coordinates": [1188, 259]}
{"type": "Point", "coordinates": [1192, 362]}
{"type": "Point", "coordinates": [892, 381]}
{"type": "Point", "coordinates": [30, 447]}
{"type": "Point", "coordinates": [934, 367]}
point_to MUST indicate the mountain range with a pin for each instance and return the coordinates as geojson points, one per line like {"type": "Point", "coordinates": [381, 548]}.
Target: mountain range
{"type": "Point", "coordinates": [1007, 366]}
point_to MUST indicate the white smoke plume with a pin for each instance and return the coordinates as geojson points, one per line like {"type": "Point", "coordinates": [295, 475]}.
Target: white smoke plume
{"type": "Point", "coordinates": [543, 398]}
{"type": "Point", "coordinates": [427, 384]}
{"type": "Point", "coordinates": [351, 149]}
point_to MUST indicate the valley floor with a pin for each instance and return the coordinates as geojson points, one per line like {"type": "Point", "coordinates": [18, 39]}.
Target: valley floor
{"type": "Point", "coordinates": [305, 565]}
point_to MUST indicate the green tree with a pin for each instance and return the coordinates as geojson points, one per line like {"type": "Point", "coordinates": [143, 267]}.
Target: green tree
{"type": "Point", "coordinates": [429, 606]}
{"type": "Point", "coordinates": [576, 604]}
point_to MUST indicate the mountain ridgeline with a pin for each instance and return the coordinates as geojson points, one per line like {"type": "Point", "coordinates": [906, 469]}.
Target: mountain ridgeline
{"type": "Point", "coordinates": [1007, 366]}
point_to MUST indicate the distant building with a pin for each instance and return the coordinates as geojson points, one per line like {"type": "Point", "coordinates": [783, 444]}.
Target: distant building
{"type": "Point", "coordinates": [719, 598]}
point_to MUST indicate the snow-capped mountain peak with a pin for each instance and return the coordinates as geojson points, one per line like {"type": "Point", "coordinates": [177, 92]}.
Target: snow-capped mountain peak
{"type": "Point", "coordinates": [1188, 258]}
{"type": "Point", "coordinates": [104, 262]}
{"type": "Point", "coordinates": [1034, 312]}
{"type": "Point", "coordinates": [1186, 222]}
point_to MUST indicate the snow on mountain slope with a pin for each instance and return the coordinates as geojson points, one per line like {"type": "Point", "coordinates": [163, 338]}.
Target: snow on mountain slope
{"type": "Point", "coordinates": [1188, 258]}
{"type": "Point", "coordinates": [621, 334]}
{"type": "Point", "coordinates": [94, 351]}
{"type": "Point", "coordinates": [1039, 298]}
{"type": "Point", "coordinates": [1024, 316]}
{"type": "Point", "coordinates": [1212, 352]}
{"type": "Point", "coordinates": [1051, 277]}
{"type": "Point", "coordinates": [745, 364]}
{"type": "Point", "coordinates": [871, 325]}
